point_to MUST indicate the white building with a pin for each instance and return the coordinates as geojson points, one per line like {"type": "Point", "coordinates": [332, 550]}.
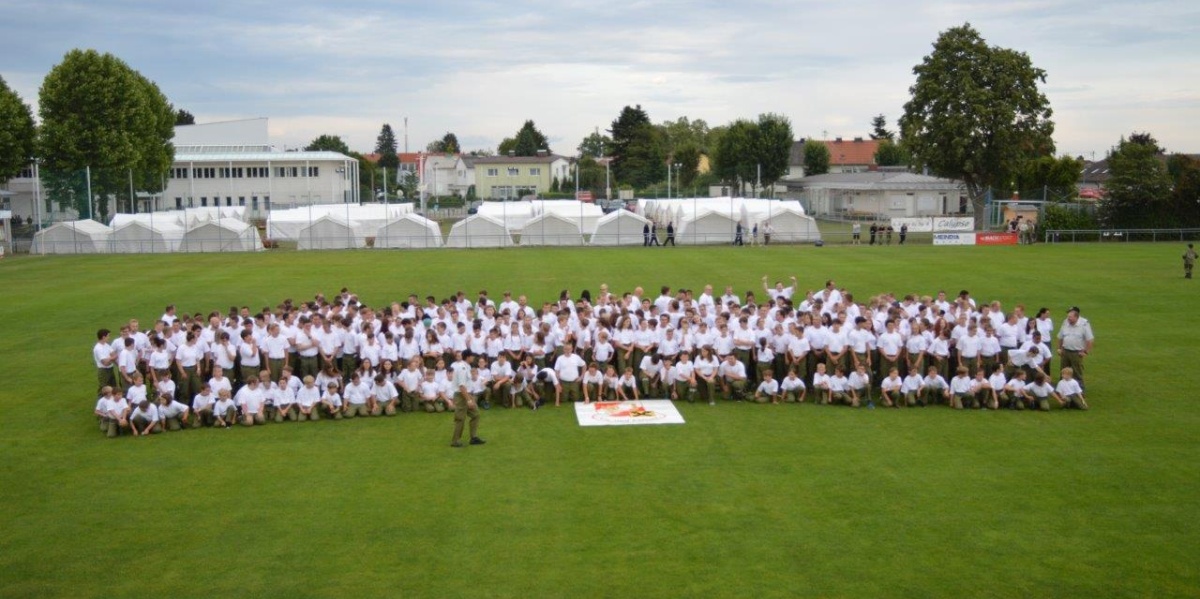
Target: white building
{"type": "Point", "coordinates": [229, 163]}
{"type": "Point", "coordinates": [448, 174]}
{"type": "Point", "coordinates": [878, 194]}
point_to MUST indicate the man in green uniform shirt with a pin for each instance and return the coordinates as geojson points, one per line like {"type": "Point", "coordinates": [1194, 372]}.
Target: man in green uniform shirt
{"type": "Point", "coordinates": [1075, 341]}
{"type": "Point", "coordinates": [1189, 261]}
{"type": "Point", "coordinates": [464, 403]}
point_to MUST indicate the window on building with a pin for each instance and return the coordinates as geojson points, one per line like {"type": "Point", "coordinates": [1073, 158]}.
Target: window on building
{"type": "Point", "coordinates": [191, 203]}
{"type": "Point", "coordinates": [493, 172]}
{"type": "Point", "coordinates": [179, 203]}
{"type": "Point", "coordinates": [26, 173]}
{"type": "Point", "coordinates": [294, 171]}
{"type": "Point", "coordinates": [228, 201]}
{"type": "Point", "coordinates": [203, 201]}
{"type": "Point", "coordinates": [513, 171]}
{"type": "Point", "coordinates": [314, 171]}
{"type": "Point", "coordinates": [535, 171]}
{"type": "Point", "coordinates": [254, 203]}
{"type": "Point", "coordinates": [280, 171]}
{"type": "Point", "coordinates": [267, 202]}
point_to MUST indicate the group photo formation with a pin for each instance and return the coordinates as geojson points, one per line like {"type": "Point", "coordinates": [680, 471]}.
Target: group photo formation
{"type": "Point", "coordinates": [338, 357]}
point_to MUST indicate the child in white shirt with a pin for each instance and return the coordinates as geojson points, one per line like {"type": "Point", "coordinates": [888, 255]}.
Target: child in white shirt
{"type": "Point", "coordinates": [890, 389]}
{"type": "Point", "coordinates": [331, 402]}
{"type": "Point", "coordinates": [791, 388]}
{"type": "Point", "coordinates": [1070, 394]}
{"type": "Point", "coordinates": [768, 389]}
{"type": "Point", "coordinates": [960, 389]}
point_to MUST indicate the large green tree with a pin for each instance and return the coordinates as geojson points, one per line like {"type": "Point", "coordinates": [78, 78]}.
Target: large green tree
{"type": "Point", "coordinates": [448, 144]}
{"type": "Point", "coordinates": [385, 146]}
{"type": "Point", "coordinates": [976, 112]}
{"type": "Point", "coordinates": [688, 159]}
{"type": "Point", "coordinates": [183, 117]}
{"type": "Point", "coordinates": [1054, 178]}
{"type": "Point", "coordinates": [684, 132]}
{"type": "Point", "coordinates": [596, 145]}
{"type": "Point", "coordinates": [890, 153]}
{"type": "Point", "coordinates": [1185, 190]}
{"type": "Point", "coordinates": [816, 158]}
{"type": "Point", "coordinates": [98, 113]}
{"type": "Point", "coordinates": [879, 128]}
{"type": "Point", "coordinates": [772, 148]}
{"type": "Point", "coordinates": [17, 133]}
{"type": "Point", "coordinates": [639, 156]}
{"type": "Point", "coordinates": [733, 161]}
{"type": "Point", "coordinates": [529, 141]}
{"type": "Point", "coordinates": [1138, 190]}
{"type": "Point", "coordinates": [328, 143]}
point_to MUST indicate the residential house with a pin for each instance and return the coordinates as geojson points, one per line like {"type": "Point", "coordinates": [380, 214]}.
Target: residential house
{"type": "Point", "coordinates": [511, 177]}
{"type": "Point", "coordinates": [853, 156]}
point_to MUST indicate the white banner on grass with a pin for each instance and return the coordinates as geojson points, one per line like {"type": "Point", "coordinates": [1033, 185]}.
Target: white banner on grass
{"type": "Point", "coordinates": [953, 239]}
{"type": "Point", "coordinates": [622, 413]}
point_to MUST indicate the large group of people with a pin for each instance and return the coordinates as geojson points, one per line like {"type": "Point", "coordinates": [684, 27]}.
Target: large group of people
{"type": "Point", "coordinates": [340, 358]}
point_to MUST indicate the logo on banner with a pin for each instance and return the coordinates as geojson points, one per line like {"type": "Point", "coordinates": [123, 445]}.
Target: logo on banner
{"type": "Point", "coordinates": [608, 413]}
{"type": "Point", "coordinates": [953, 223]}
{"type": "Point", "coordinates": [953, 239]}
{"type": "Point", "coordinates": [996, 239]}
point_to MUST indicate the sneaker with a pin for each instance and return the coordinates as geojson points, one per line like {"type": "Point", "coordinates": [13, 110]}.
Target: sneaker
{"type": "Point", "coordinates": [456, 444]}
{"type": "Point", "coordinates": [487, 405]}
{"type": "Point", "coordinates": [477, 441]}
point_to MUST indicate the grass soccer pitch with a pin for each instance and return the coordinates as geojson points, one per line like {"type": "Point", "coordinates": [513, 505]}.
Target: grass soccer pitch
{"type": "Point", "coordinates": [741, 501]}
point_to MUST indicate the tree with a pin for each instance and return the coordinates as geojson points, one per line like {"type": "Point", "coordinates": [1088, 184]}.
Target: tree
{"type": "Point", "coordinates": [976, 112]}
{"type": "Point", "coordinates": [529, 141]}
{"type": "Point", "coordinates": [891, 153]}
{"type": "Point", "coordinates": [17, 133]}
{"type": "Point", "coordinates": [733, 162]}
{"type": "Point", "coordinates": [639, 157]}
{"type": "Point", "coordinates": [183, 117]}
{"type": "Point", "coordinates": [508, 146]}
{"type": "Point", "coordinates": [880, 130]}
{"type": "Point", "coordinates": [448, 144]}
{"type": "Point", "coordinates": [816, 158]}
{"type": "Point", "coordinates": [688, 159]}
{"type": "Point", "coordinates": [596, 145]}
{"type": "Point", "coordinates": [1185, 176]}
{"type": "Point", "coordinates": [772, 148]}
{"type": "Point", "coordinates": [1055, 178]}
{"type": "Point", "coordinates": [683, 132]}
{"type": "Point", "coordinates": [97, 112]}
{"type": "Point", "coordinates": [328, 143]}
{"type": "Point", "coordinates": [1138, 190]}
{"type": "Point", "coordinates": [385, 146]}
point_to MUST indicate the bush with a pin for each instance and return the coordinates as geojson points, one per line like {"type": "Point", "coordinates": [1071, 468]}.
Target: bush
{"type": "Point", "coordinates": [1068, 217]}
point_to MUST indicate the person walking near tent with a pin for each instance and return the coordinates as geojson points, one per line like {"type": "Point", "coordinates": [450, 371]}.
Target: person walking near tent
{"type": "Point", "coordinates": [903, 232]}
{"type": "Point", "coordinates": [768, 230]}
{"type": "Point", "coordinates": [653, 232]}
{"type": "Point", "coordinates": [646, 234]}
{"type": "Point", "coordinates": [754, 235]}
{"type": "Point", "coordinates": [670, 234]}
{"type": "Point", "coordinates": [856, 234]}
{"type": "Point", "coordinates": [737, 234]}
{"type": "Point", "coordinates": [1189, 261]}
{"type": "Point", "coordinates": [874, 232]}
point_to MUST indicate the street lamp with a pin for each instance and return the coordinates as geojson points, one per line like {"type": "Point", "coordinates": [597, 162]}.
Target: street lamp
{"type": "Point", "coordinates": [678, 185]}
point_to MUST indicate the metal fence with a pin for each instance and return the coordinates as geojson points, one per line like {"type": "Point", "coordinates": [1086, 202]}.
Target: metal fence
{"type": "Point", "coordinates": [1120, 235]}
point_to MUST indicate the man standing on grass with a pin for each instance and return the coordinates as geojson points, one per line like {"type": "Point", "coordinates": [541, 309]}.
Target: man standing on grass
{"type": "Point", "coordinates": [1075, 341]}
{"type": "Point", "coordinates": [1189, 261]}
{"type": "Point", "coordinates": [104, 356]}
{"type": "Point", "coordinates": [464, 403]}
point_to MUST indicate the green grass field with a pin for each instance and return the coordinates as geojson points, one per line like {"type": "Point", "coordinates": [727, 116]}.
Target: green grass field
{"type": "Point", "coordinates": [742, 501]}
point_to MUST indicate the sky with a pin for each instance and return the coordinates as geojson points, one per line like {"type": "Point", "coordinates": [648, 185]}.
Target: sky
{"type": "Point", "coordinates": [480, 69]}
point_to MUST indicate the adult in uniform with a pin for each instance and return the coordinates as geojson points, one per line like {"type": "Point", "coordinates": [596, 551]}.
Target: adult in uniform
{"type": "Point", "coordinates": [1189, 261]}
{"type": "Point", "coordinates": [464, 404]}
{"type": "Point", "coordinates": [1075, 341]}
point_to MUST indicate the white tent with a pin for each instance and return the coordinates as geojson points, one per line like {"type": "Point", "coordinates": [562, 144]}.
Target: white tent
{"type": "Point", "coordinates": [583, 214]}
{"type": "Point", "coordinates": [72, 237]}
{"type": "Point", "coordinates": [549, 228]}
{"type": "Point", "coordinates": [143, 237]}
{"type": "Point", "coordinates": [409, 231]}
{"type": "Point", "coordinates": [621, 227]}
{"type": "Point", "coordinates": [170, 217]}
{"type": "Point", "coordinates": [477, 231]}
{"type": "Point", "coordinates": [330, 233]}
{"type": "Point", "coordinates": [791, 225]}
{"type": "Point", "coordinates": [708, 227]}
{"type": "Point", "coordinates": [512, 214]}
{"type": "Point", "coordinates": [285, 225]}
{"type": "Point", "coordinates": [224, 235]}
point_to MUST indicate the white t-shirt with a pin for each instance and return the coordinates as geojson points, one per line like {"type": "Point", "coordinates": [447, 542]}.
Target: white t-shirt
{"type": "Point", "coordinates": [569, 367]}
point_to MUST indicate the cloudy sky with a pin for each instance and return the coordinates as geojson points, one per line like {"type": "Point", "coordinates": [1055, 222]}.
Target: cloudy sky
{"type": "Point", "coordinates": [479, 69]}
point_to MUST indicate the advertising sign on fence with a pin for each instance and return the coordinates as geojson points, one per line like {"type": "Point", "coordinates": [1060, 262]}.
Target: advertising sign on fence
{"type": "Point", "coordinates": [995, 239]}
{"type": "Point", "coordinates": [919, 224]}
{"type": "Point", "coordinates": [953, 239]}
{"type": "Point", "coordinates": [952, 223]}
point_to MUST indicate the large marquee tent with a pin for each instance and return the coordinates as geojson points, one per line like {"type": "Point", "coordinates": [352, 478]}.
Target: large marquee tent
{"type": "Point", "coordinates": [409, 231]}
{"type": "Point", "coordinates": [72, 237]}
{"type": "Point", "coordinates": [478, 231]}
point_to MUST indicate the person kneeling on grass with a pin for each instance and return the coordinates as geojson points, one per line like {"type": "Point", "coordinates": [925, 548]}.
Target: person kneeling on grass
{"type": "Point", "coordinates": [1040, 392]}
{"type": "Point", "coordinates": [1015, 389]}
{"type": "Point", "coordinates": [859, 384]}
{"type": "Point", "coordinates": [550, 386]}
{"type": "Point", "coordinates": [982, 394]}
{"type": "Point", "coordinates": [145, 420]}
{"type": "Point", "coordinates": [358, 394]}
{"type": "Point", "coordinates": [1070, 394]}
{"type": "Point", "coordinates": [117, 413]}
{"type": "Point", "coordinates": [202, 406]}
{"type": "Point", "coordinates": [627, 387]}
{"type": "Point", "coordinates": [821, 385]}
{"type": "Point", "coordinates": [839, 388]}
{"type": "Point", "coordinates": [683, 378]}
{"type": "Point", "coordinates": [910, 389]}
{"type": "Point", "coordinates": [1000, 387]}
{"type": "Point", "coordinates": [768, 389]}
{"type": "Point", "coordinates": [225, 410]}
{"type": "Point", "coordinates": [331, 402]}
{"type": "Point", "coordinates": [251, 401]}
{"type": "Point", "coordinates": [733, 378]}
{"type": "Point", "coordinates": [934, 388]}
{"type": "Point", "coordinates": [429, 394]}
{"type": "Point", "coordinates": [791, 388]}
{"type": "Point", "coordinates": [960, 389]}
{"type": "Point", "coordinates": [173, 414]}
{"type": "Point", "coordinates": [593, 380]}
{"type": "Point", "coordinates": [307, 399]}
{"type": "Point", "coordinates": [101, 409]}
{"type": "Point", "coordinates": [890, 389]}
{"type": "Point", "coordinates": [383, 397]}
